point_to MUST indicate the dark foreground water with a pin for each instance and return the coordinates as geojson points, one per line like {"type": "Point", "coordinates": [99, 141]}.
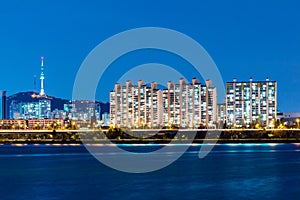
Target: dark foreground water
{"type": "Point", "coordinates": [269, 171]}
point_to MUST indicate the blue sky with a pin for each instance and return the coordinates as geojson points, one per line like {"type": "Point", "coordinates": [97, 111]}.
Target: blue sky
{"type": "Point", "coordinates": [256, 39]}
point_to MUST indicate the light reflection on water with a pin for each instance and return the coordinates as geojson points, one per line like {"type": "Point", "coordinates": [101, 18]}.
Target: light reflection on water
{"type": "Point", "coordinates": [194, 148]}
{"type": "Point", "coordinates": [230, 171]}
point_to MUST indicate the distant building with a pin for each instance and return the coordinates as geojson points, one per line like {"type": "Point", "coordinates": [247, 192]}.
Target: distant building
{"type": "Point", "coordinates": [40, 109]}
{"type": "Point", "coordinates": [183, 105]}
{"type": "Point", "coordinates": [251, 102]}
{"type": "Point", "coordinates": [1, 108]}
{"type": "Point", "coordinates": [8, 124]}
{"type": "Point", "coordinates": [58, 114]}
{"type": "Point", "coordinates": [26, 110]}
{"type": "Point", "coordinates": [3, 105]}
{"type": "Point", "coordinates": [289, 118]}
{"type": "Point", "coordinates": [31, 124]}
{"type": "Point", "coordinates": [105, 119]}
{"type": "Point", "coordinates": [44, 109]}
{"type": "Point", "coordinates": [82, 110]}
{"type": "Point", "coordinates": [45, 123]}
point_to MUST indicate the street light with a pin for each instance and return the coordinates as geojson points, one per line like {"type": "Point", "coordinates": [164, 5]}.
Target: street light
{"type": "Point", "coordinates": [297, 120]}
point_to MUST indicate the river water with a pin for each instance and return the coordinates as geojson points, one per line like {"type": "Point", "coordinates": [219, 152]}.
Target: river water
{"type": "Point", "coordinates": [230, 171]}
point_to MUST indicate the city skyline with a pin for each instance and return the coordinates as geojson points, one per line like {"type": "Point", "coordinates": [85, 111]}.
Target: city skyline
{"type": "Point", "coordinates": [241, 38]}
{"type": "Point", "coordinates": [149, 100]}
{"type": "Point", "coordinates": [183, 104]}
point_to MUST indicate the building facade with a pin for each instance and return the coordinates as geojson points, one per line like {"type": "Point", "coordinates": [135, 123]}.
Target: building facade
{"type": "Point", "coordinates": [182, 105]}
{"type": "Point", "coordinates": [251, 103]}
{"type": "Point", "coordinates": [221, 115]}
{"type": "Point", "coordinates": [135, 105]}
{"type": "Point", "coordinates": [190, 105]}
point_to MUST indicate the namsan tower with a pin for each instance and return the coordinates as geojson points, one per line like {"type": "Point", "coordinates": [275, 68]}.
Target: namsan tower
{"type": "Point", "coordinates": [42, 92]}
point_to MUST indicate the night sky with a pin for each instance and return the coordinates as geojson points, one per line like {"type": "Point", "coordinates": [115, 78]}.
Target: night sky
{"type": "Point", "coordinates": [246, 39]}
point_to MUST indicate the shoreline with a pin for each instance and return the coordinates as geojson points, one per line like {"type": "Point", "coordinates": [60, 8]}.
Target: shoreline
{"type": "Point", "coordinates": [157, 141]}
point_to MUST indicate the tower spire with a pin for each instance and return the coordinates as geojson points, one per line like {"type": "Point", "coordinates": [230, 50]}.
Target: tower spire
{"type": "Point", "coordinates": [42, 92]}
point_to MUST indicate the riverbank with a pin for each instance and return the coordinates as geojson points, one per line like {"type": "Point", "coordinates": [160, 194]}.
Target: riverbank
{"type": "Point", "coordinates": [150, 136]}
{"type": "Point", "coordinates": [153, 141]}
